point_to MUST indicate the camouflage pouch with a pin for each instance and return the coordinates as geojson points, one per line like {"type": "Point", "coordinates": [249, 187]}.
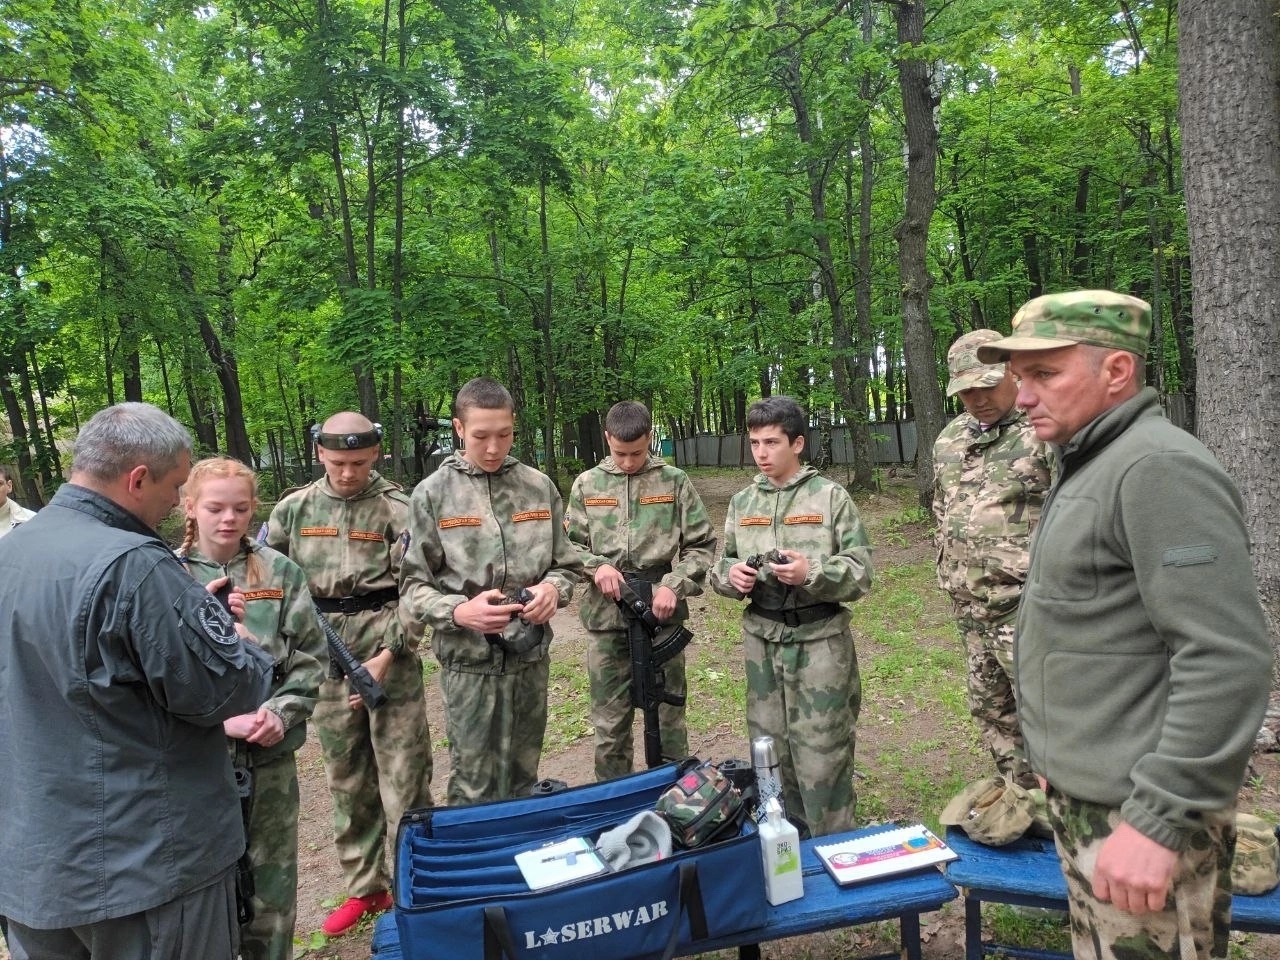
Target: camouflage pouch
{"type": "Point", "coordinates": [1255, 868]}
{"type": "Point", "coordinates": [702, 806]}
{"type": "Point", "coordinates": [994, 811]}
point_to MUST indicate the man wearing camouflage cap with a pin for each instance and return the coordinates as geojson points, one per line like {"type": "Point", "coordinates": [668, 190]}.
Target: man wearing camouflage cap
{"type": "Point", "coordinates": [990, 478]}
{"type": "Point", "coordinates": [1143, 662]}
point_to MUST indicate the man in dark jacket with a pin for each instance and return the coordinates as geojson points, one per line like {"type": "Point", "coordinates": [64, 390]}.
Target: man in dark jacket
{"type": "Point", "coordinates": [1143, 663]}
{"type": "Point", "coordinates": [121, 824]}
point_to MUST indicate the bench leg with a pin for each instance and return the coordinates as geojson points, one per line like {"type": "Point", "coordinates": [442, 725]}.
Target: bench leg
{"type": "Point", "coordinates": [972, 927]}
{"type": "Point", "coordinates": [909, 935]}
{"type": "Point", "coordinates": [749, 951]}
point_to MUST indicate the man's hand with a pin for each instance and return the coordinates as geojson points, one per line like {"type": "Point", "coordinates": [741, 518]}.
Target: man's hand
{"type": "Point", "coordinates": [269, 730]}
{"type": "Point", "coordinates": [377, 665]}
{"type": "Point", "coordinates": [794, 573]}
{"type": "Point", "coordinates": [1133, 871]}
{"type": "Point", "coordinates": [543, 606]}
{"type": "Point", "coordinates": [664, 603]}
{"type": "Point", "coordinates": [608, 579]}
{"type": "Point", "coordinates": [487, 612]}
{"type": "Point", "coordinates": [742, 577]}
{"type": "Point", "coordinates": [240, 727]}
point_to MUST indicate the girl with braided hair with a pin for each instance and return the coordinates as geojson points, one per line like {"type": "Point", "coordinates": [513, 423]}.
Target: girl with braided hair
{"type": "Point", "coordinates": [270, 596]}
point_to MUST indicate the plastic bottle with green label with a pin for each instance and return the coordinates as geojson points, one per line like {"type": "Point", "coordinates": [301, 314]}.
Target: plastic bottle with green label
{"type": "Point", "coordinates": [780, 851]}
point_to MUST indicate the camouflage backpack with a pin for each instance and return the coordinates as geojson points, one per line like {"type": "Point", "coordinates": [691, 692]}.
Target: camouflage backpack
{"type": "Point", "coordinates": [1255, 868]}
{"type": "Point", "coordinates": [702, 806]}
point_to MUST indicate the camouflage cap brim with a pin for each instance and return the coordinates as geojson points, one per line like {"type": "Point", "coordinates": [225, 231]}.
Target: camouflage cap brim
{"type": "Point", "coordinates": [997, 351]}
{"type": "Point", "coordinates": [978, 379]}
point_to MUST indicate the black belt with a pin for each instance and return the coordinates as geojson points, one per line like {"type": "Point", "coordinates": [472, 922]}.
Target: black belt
{"type": "Point", "coordinates": [798, 615]}
{"type": "Point", "coordinates": [652, 574]}
{"type": "Point", "coordinates": [366, 601]}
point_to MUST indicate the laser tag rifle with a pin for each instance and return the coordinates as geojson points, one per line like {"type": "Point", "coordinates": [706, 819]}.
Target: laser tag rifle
{"type": "Point", "coordinates": [357, 674]}
{"type": "Point", "coordinates": [652, 644]}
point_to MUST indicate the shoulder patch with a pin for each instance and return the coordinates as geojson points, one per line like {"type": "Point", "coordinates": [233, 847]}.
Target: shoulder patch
{"type": "Point", "coordinates": [600, 501]}
{"type": "Point", "coordinates": [268, 593]}
{"type": "Point", "coordinates": [755, 521]}
{"type": "Point", "coordinates": [803, 518]}
{"type": "Point", "coordinates": [659, 498]}
{"type": "Point", "coordinates": [216, 622]}
{"type": "Point", "coordinates": [319, 531]}
{"type": "Point", "coordinates": [372, 535]}
{"type": "Point", "coordinates": [1189, 556]}
{"type": "Point", "coordinates": [524, 515]}
{"type": "Point", "coordinates": [448, 523]}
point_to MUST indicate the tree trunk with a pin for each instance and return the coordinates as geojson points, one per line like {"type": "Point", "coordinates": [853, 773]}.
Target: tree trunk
{"type": "Point", "coordinates": [918, 103]}
{"type": "Point", "coordinates": [1229, 74]}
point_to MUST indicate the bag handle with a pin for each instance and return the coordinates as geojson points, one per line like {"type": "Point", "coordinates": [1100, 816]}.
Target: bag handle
{"type": "Point", "coordinates": [499, 944]}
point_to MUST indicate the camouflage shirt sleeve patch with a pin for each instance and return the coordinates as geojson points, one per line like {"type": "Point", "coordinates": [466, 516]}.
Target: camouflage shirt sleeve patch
{"type": "Point", "coordinates": [319, 531]}
{"type": "Point", "coordinates": [270, 593]}
{"type": "Point", "coordinates": [803, 518]}
{"type": "Point", "coordinates": [448, 523]}
{"type": "Point", "coordinates": [371, 535]}
{"type": "Point", "coordinates": [661, 498]}
{"type": "Point", "coordinates": [755, 522]}
{"type": "Point", "coordinates": [601, 501]}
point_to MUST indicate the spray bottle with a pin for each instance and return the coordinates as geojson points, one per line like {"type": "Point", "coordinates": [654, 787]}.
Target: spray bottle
{"type": "Point", "coordinates": [780, 851]}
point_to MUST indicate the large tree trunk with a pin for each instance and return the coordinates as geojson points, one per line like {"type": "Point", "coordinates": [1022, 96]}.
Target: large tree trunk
{"type": "Point", "coordinates": [918, 102]}
{"type": "Point", "coordinates": [1229, 70]}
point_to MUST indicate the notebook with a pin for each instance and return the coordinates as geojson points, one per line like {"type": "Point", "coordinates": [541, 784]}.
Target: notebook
{"type": "Point", "coordinates": [888, 851]}
{"type": "Point", "coordinates": [557, 863]}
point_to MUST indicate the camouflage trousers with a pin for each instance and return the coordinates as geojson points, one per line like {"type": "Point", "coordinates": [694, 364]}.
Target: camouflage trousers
{"type": "Point", "coordinates": [806, 695]}
{"type": "Point", "coordinates": [989, 649]}
{"type": "Point", "coordinates": [495, 724]}
{"type": "Point", "coordinates": [613, 716]}
{"type": "Point", "coordinates": [378, 765]}
{"type": "Point", "coordinates": [273, 852]}
{"type": "Point", "coordinates": [1197, 917]}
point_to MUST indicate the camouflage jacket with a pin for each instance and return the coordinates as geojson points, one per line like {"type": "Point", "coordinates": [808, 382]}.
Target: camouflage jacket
{"type": "Point", "coordinates": [349, 547]}
{"type": "Point", "coordinates": [472, 531]}
{"type": "Point", "coordinates": [652, 520]}
{"type": "Point", "coordinates": [814, 516]}
{"type": "Point", "coordinates": [278, 612]}
{"type": "Point", "coordinates": [989, 486]}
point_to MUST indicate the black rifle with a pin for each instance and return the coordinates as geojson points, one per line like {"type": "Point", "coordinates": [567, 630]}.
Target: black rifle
{"type": "Point", "coordinates": [652, 644]}
{"type": "Point", "coordinates": [345, 661]}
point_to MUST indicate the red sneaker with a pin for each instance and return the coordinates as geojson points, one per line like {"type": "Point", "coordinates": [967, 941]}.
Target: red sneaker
{"type": "Point", "coordinates": [353, 911]}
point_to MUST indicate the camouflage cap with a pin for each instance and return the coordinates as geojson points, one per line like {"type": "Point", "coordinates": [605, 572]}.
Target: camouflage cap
{"type": "Point", "coordinates": [1255, 866]}
{"type": "Point", "coordinates": [1116, 321]}
{"type": "Point", "coordinates": [994, 811]}
{"type": "Point", "coordinates": [967, 371]}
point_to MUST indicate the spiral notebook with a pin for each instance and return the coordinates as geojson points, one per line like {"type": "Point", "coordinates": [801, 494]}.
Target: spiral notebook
{"type": "Point", "coordinates": [888, 851]}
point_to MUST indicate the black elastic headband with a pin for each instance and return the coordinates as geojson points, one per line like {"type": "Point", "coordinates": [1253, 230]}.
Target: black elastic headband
{"type": "Point", "coordinates": [347, 441]}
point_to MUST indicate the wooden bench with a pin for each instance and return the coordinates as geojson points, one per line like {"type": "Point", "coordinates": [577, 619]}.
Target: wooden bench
{"type": "Point", "coordinates": [1026, 873]}
{"type": "Point", "coordinates": [824, 906]}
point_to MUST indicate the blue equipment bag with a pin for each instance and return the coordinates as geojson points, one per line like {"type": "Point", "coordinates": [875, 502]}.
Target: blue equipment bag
{"type": "Point", "coordinates": [460, 896]}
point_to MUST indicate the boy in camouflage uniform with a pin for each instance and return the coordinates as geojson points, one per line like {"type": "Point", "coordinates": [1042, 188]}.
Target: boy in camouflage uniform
{"type": "Point", "coordinates": [990, 477]}
{"type": "Point", "coordinates": [1144, 662]}
{"type": "Point", "coordinates": [803, 687]}
{"type": "Point", "coordinates": [347, 530]}
{"type": "Point", "coordinates": [484, 526]}
{"type": "Point", "coordinates": [636, 515]}
{"type": "Point", "coordinates": [270, 591]}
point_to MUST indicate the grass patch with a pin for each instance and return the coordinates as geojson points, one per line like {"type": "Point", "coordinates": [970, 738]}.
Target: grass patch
{"type": "Point", "coordinates": [568, 705]}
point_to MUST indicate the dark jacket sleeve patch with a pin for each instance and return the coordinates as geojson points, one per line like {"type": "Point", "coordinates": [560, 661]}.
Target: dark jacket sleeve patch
{"type": "Point", "coordinates": [1189, 556]}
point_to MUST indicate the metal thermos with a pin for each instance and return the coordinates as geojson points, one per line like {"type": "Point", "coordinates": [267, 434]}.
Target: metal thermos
{"type": "Point", "coordinates": [764, 760]}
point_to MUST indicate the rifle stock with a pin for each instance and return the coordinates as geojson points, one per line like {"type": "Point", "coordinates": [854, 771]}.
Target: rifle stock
{"type": "Point", "coordinates": [357, 674]}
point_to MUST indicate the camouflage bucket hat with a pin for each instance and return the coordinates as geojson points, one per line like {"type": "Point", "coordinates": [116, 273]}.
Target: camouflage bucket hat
{"type": "Point", "coordinates": [1116, 321]}
{"type": "Point", "coordinates": [1255, 868]}
{"type": "Point", "coordinates": [994, 811]}
{"type": "Point", "coordinates": [966, 370]}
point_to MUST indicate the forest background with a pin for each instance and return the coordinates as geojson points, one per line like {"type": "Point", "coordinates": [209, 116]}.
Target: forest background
{"type": "Point", "coordinates": [257, 212]}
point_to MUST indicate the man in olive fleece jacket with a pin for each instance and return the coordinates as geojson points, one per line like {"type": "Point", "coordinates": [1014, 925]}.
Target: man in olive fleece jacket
{"type": "Point", "coordinates": [1143, 661]}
